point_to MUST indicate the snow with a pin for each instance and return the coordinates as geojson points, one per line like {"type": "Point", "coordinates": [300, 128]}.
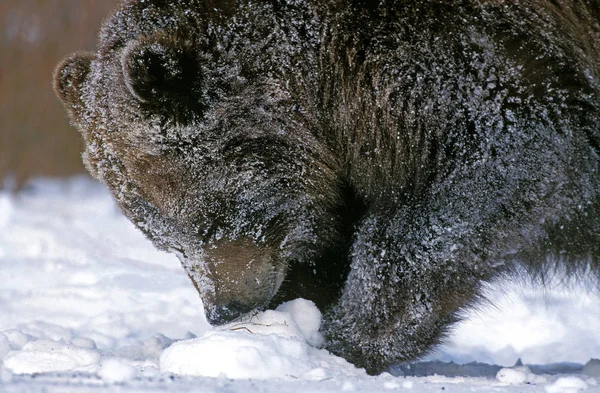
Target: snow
{"type": "Point", "coordinates": [567, 385]}
{"type": "Point", "coordinates": [308, 318]}
{"type": "Point", "coordinates": [86, 303]}
{"type": "Point", "coordinates": [270, 344]}
{"type": "Point", "coordinates": [114, 370]}
{"type": "Point", "coordinates": [518, 375]}
{"type": "Point", "coordinates": [42, 355]}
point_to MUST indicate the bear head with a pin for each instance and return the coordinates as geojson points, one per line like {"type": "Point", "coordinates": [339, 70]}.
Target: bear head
{"type": "Point", "coordinates": [205, 151]}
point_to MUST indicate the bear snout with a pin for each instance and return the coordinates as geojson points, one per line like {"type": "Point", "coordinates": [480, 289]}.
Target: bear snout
{"type": "Point", "coordinates": [245, 276]}
{"type": "Point", "coordinates": [222, 314]}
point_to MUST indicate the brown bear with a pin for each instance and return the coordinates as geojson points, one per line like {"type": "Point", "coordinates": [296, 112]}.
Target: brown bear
{"type": "Point", "coordinates": [383, 158]}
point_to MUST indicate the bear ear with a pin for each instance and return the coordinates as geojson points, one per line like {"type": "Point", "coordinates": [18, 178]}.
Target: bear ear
{"type": "Point", "coordinates": [162, 71]}
{"type": "Point", "coordinates": [69, 76]}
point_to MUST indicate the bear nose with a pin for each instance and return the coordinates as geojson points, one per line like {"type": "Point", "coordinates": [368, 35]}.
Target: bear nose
{"type": "Point", "coordinates": [223, 314]}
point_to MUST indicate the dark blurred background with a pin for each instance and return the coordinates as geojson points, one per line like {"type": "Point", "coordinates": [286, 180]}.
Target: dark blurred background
{"type": "Point", "coordinates": [35, 136]}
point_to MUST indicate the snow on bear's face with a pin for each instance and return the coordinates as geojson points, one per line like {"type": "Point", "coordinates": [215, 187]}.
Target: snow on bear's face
{"type": "Point", "coordinates": [206, 153]}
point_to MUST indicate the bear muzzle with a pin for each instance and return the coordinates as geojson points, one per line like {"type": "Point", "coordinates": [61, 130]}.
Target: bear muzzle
{"type": "Point", "coordinates": [244, 275]}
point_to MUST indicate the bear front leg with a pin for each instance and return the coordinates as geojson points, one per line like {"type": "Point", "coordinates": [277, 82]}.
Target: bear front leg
{"type": "Point", "coordinates": [409, 277]}
{"type": "Point", "coordinates": [415, 266]}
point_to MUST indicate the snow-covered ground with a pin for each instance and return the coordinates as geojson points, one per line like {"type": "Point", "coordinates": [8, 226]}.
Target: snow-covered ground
{"type": "Point", "coordinates": [88, 305]}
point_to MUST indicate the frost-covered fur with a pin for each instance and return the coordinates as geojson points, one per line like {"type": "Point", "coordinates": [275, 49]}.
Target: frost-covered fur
{"type": "Point", "coordinates": [382, 158]}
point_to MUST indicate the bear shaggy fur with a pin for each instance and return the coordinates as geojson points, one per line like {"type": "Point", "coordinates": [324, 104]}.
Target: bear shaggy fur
{"type": "Point", "coordinates": [384, 159]}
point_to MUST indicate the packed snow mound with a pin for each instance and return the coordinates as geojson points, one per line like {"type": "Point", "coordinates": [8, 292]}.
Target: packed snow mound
{"type": "Point", "coordinates": [567, 385]}
{"type": "Point", "coordinates": [22, 354]}
{"type": "Point", "coordinates": [307, 317]}
{"type": "Point", "coordinates": [519, 375]}
{"type": "Point", "coordinates": [270, 344]}
{"type": "Point", "coordinates": [46, 355]}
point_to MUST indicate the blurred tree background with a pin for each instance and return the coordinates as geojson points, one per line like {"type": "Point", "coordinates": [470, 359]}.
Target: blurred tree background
{"type": "Point", "coordinates": [35, 136]}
